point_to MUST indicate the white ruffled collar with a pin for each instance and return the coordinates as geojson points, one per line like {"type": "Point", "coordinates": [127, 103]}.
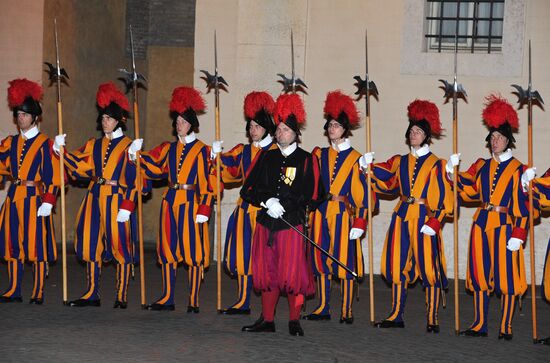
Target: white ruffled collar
{"type": "Point", "coordinates": [343, 146]}
{"type": "Point", "coordinates": [263, 142]}
{"type": "Point", "coordinates": [289, 149]}
{"type": "Point", "coordinates": [115, 134]}
{"type": "Point", "coordinates": [188, 138]}
{"type": "Point", "coordinates": [505, 156]}
{"type": "Point", "coordinates": [424, 150]}
{"type": "Point", "coordinates": [30, 133]}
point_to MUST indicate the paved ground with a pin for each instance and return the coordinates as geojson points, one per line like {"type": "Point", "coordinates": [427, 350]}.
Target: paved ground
{"type": "Point", "coordinates": [53, 332]}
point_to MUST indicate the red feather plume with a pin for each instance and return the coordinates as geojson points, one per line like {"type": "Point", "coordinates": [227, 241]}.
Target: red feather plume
{"type": "Point", "coordinates": [22, 88]}
{"type": "Point", "coordinates": [187, 97]}
{"type": "Point", "coordinates": [256, 101]}
{"type": "Point", "coordinates": [289, 104]}
{"type": "Point", "coordinates": [107, 93]}
{"type": "Point", "coordinates": [498, 111]}
{"type": "Point", "coordinates": [419, 110]}
{"type": "Point", "coordinates": [337, 102]}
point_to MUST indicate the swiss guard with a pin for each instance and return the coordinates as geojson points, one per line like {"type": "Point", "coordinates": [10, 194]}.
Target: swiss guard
{"type": "Point", "coordinates": [236, 164]}
{"type": "Point", "coordinates": [499, 229]}
{"type": "Point", "coordinates": [186, 202]}
{"type": "Point", "coordinates": [27, 160]}
{"type": "Point", "coordinates": [105, 223]}
{"type": "Point", "coordinates": [341, 219]}
{"type": "Point", "coordinates": [414, 247]}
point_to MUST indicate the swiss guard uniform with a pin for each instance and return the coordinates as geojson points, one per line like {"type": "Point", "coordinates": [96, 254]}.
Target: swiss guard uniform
{"type": "Point", "coordinates": [542, 194]}
{"type": "Point", "coordinates": [413, 247]}
{"type": "Point", "coordinates": [344, 211]}
{"type": "Point", "coordinates": [284, 181]}
{"type": "Point", "coordinates": [26, 223]}
{"type": "Point", "coordinates": [105, 225]}
{"type": "Point", "coordinates": [236, 164]}
{"type": "Point", "coordinates": [186, 202]}
{"type": "Point", "coordinates": [495, 254]}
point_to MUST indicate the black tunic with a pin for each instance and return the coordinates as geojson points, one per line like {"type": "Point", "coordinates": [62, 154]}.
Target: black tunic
{"type": "Point", "coordinates": [293, 179]}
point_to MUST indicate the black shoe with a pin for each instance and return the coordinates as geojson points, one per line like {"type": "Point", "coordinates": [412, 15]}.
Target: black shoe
{"type": "Point", "coordinates": [235, 311]}
{"type": "Point", "coordinates": [160, 307]}
{"type": "Point", "coordinates": [346, 320]}
{"type": "Point", "coordinates": [389, 324]}
{"type": "Point", "coordinates": [472, 333]}
{"type": "Point", "coordinates": [544, 341]}
{"type": "Point", "coordinates": [432, 328]}
{"type": "Point", "coordinates": [36, 301]}
{"type": "Point", "coordinates": [505, 336]}
{"type": "Point", "coordinates": [8, 299]}
{"type": "Point", "coordinates": [295, 329]}
{"type": "Point", "coordinates": [193, 309]}
{"type": "Point", "coordinates": [316, 317]}
{"type": "Point", "coordinates": [84, 302]}
{"type": "Point", "coordinates": [120, 304]}
{"type": "Point", "coordinates": [260, 325]}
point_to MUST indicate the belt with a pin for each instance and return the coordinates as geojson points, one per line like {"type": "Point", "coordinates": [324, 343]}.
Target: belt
{"type": "Point", "coordinates": [103, 181]}
{"type": "Point", "coordinates": [413, 200]}
{"type": "Point", "coordinates": [337, 198]}
{"type": "Point", "coordinates": [342, 198]}
{"type": "Point", "coordinates": [495, 208]}
{"type": "Point", "coordinates": [27, 183]}
{"type": "Point", "coordinates": [178, 186]}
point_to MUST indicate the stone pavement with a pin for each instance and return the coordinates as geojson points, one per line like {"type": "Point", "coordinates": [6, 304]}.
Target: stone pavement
{"type": "Point", "coordinates": [55, 333]}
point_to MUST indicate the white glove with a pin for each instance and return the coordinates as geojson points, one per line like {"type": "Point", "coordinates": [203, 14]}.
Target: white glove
{"type": "Point", "coordinates": [355, 233]}
{"type": "Point", "coordinates": [135, 146]}
{"type": "Point", "coordinates": [453, 161]}
{"type": "Point", "coordinates": [274, 208]}
{"type": "Point", "coordinates": [514, 244]}
{"type": "Point", "coordinates": [123, 215]}
{"type": "Point", "coordinates": [366, 159]}
{"type": "Point", "coordinates": [44, 210]}
{"type": "Point", "coordinates": [58, 142]}
{"type": "Point", "coordinates": [201, 218]}
{"type": "Point", "coordinates": [427, 230]}
{"type": "Point", "coordinates": [528, 175]}
{"type": "Point", "coordinates": [216, 148]}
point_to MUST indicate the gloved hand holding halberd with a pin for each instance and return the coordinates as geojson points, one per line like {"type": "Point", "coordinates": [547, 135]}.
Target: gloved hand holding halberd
{"type": "Point", "coordinates": [58, 142]}
{"type": "Point", "coordinates": [366, 159]}
{"type": "Point", "coordinates": [216, 148]}
{"type": "Point", "coordinates": [134, 147]}
{"type": "Point", "coordinates": [453, 161]}
{"type": "Point", "coordinates": [528, 175]}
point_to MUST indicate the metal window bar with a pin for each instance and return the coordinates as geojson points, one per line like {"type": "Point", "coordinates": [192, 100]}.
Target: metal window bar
{"type": "Point", "coordinates": [472, 21]}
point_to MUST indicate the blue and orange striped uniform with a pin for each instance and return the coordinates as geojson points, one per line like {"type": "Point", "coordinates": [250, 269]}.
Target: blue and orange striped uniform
{"type": "Point", "coordinates": [33, 169]}
{"type": "Point", "coordinates": [189, 192]}
{"type": "Point", "coordinates": [236, 165]}
{"type": "Point", "coordinates": [503, 214]}
{"type": "Point", "coordinates": [99, 237]}
{"type": "Point", "coordinates": [425, 198]}
{"type": "Point", "coordinates": [541, 188]}
{"type": "Point", "coordinates": [345, 208]}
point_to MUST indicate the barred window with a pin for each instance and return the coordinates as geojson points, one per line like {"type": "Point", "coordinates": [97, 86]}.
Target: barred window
{"type": "Point", "coordinates": [477, 23]}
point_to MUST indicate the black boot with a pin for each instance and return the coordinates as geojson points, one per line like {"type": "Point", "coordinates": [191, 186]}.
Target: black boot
{"type": "Point", "coordinates": [160, 307]}
{"type": "Point", "coordinates": [260, 325]}
{"type": "Point", "coordinates": [84, 302]}
{"type": "Point", "coordinates": [389, 324]}
{"type": "Point", "coordinates": [295, 329]}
